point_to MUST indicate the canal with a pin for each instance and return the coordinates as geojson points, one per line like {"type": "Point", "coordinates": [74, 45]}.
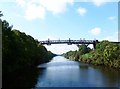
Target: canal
{"type": "Point", "coordinates": [62, 72]}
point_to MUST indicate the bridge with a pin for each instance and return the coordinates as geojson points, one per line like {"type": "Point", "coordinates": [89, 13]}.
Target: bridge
{"type": "Point", "coordinates": [70, 42]}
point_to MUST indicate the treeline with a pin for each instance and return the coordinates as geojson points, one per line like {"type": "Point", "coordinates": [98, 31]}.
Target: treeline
{"type": "Point", "coordinates": [106, 53]}
{"type": "Point", "coordinates": [20, 52]}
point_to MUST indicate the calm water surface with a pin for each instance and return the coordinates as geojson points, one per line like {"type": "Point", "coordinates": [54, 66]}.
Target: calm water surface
{"type": "Point", "coordinates": [61, 72]}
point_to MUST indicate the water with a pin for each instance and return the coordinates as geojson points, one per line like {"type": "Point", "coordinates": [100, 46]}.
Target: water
{"type": "Point", "coordinates": [61, 72]}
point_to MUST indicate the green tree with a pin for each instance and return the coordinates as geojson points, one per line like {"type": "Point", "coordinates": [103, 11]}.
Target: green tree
{"type": "Point", "coordinates": [21, 50]}
{"type": "Point", "coordinates": [83, 49]}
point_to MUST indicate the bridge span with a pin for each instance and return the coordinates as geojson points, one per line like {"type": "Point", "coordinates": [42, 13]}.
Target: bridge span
{"type": "Point", "coordinates": [70, 42]}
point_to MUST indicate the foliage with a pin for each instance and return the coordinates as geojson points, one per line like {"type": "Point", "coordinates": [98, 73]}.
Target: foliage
{"type": "Point", "coordinates": [106, 53]}
{"type": "Point", "coordinates": [21, 51]}
{"type": "Point", "coordinates": [83, 49]}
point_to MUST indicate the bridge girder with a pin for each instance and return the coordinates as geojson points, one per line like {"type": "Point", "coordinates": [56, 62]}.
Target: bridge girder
{"type": "Point", "coordinates": [70, 42]}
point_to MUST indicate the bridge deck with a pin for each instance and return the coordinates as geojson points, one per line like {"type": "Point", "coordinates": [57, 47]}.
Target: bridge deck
{"type": "Point", "coordinates": [68, 42]}
{"type": "Point", "coordinates": [49, 42]}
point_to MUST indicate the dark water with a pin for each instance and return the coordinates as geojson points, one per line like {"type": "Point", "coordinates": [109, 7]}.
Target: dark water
{"type": "Point", "coordinates": [61, 72]}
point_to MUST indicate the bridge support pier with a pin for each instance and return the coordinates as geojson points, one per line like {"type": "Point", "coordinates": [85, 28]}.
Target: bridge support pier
{"type": "Point", "coordinates": [94, 46]}
{"type": "Point", "coordinates": [78, 45]}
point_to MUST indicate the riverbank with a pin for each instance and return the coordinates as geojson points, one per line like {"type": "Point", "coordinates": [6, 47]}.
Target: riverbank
{"type": "Point", "coordinates": [93, 63]}
{"type": "Point", "coordinates": [105, 54]}
{"type": "Point", "coordinates": [21, 53]}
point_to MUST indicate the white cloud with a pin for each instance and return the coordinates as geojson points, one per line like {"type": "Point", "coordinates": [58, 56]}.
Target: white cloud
{"type": "Point", "coordinates": [112, 18]}
{"type": "Point", "coordinates": [95, 31]}
{"type": "Point", "coordinates": [56, 6]}
{"type": "Point", "coordinates": [81, 11]}
{"type": "Point", "coordinates": [34, 11]}
{"type": "Point", "coordinates": [99, 2]}
{"type": "Point", "coordinates": [37, 8]}
{"type": "Point", "coordinates": [21, 2]}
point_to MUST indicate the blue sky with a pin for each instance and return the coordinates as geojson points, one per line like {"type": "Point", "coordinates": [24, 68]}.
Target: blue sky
{"type": "Point", "coordinates": [63, 19]}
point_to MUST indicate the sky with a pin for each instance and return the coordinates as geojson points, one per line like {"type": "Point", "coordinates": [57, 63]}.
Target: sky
{"type": "Point", "coordinates": [63, 19]}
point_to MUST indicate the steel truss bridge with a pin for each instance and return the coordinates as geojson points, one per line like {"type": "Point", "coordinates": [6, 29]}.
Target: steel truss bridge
{"type": "Point", "coordinates": [70, 42]}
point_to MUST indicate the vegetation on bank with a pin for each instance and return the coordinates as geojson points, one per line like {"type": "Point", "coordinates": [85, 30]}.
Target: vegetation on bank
{"type": "Point", "coordinates": [20, 52]}
{"type": "Point", "coordinates": [106, 53]}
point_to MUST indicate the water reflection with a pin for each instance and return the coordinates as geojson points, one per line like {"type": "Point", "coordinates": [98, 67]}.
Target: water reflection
{"type": "Point", "coordinates": [59, 62]}
{"type": "Point", "coordinates": [111, 77]}
{"type": "Point", "coordinates": [83, 67]}
{"type": "Point", "coordinates": [61, 72]}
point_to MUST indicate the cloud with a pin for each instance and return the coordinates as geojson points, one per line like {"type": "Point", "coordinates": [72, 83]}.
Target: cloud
{"type": "Point", "coordinates": [81, 11]}
{"type": "Point", "coordinates": [99, 2]}
{"type": "Point", "coordinates": [37, 8]}
{"type": "Point", "coordinates": [95, 31]}
{"type": "Point", "coordinates": [34, 11]}
{"type": "Point", "coordinates": [21, 3]}
{"type": "Point", "coordinates": [56, 6]}
{"type": "Point", "coordinates": [112, 18]}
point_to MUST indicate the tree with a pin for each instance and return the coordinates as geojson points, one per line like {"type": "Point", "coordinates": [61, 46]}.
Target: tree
{"type": "Point", "coordinates": [106, 53]}
{"type": "Point", "coordinates": [101, 46]}
{"type": "Point", "coordinates": [1, 14]}
{"type": "Point", "coordinates": [83, 49]}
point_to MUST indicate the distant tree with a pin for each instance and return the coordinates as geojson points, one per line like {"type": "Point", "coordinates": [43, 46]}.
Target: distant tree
{"type": "Point", "coordinates": [1, 14]}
